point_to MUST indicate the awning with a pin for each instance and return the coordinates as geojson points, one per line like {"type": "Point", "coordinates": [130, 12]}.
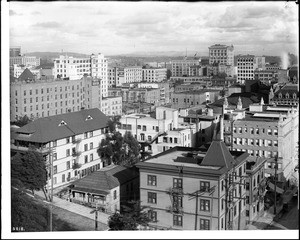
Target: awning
{"type": "Point", "coordinates": [88, 190]}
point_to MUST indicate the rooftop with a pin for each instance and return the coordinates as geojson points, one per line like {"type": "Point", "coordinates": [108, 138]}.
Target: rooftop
{"type": "Point", "coordinates": [216, 161]}
{"type": "Point", "coordinates": [43, 130]}
{"type": "Point", "coordinates": [105, 179]}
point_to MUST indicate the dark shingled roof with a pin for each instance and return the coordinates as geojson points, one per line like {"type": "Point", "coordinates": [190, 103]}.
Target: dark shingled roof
{"type": "Point", "coordinates": [105, 179]}
{"type": "Point", "coordinates": [47, 129]}
{"type": "Point", "coordinates": [218, 155]}
{"type": "Point", "coordinates": [26, 74]}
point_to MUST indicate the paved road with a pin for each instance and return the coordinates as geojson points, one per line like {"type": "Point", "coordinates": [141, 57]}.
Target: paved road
{"type": "Point", "coordinates": [288, 220]}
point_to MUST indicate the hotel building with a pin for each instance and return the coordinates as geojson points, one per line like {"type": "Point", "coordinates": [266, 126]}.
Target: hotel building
{"type": "Point", "coordinates": [189, 189]}
{"type": "Point", "coordinates": [68, 140]}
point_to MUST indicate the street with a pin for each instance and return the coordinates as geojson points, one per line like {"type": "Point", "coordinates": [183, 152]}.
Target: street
{"type": "Point", "coordinates": [289, 220]}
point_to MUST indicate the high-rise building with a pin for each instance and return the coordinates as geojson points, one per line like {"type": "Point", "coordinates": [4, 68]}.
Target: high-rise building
{"type": "Point", "coordinates": [181, 67]}
{"type": "Point", "coordinates": [151, 74]}
{"type": "Point", "coordinates": [14, 51]}
{"type": "Point", "coordinates": [246, 64]}
{"type": "Point", "coordinates": [221, 54]}
{"type": "Point", "coordinates": [75, 68]}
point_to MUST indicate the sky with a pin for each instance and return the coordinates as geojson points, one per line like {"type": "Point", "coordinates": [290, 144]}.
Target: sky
{"type": "Point", "coordinates": [261, 28]}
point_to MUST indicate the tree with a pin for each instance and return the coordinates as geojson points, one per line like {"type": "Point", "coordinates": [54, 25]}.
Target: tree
{"type": "Point", "coordinates": [22, 121]}
{"type": "Point", "coordinates": [27, 214]}
{"type": "Point", "coordinates": [113, 123]}
{"type": "Point", "coordinates": [133, 216]}
{"type": "Point", "coordinates": [119, 150]}
{"type": "Point", "coordinates": [29, 169]}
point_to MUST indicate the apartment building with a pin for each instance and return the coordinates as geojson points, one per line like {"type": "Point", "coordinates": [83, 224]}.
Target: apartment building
{"type": "Point", "coordinates": [151, 74]}
{"type": "Point", "coordinates": [115, 76]}
{"type": "Point", "coordinates": [221, 54]}
{"type": "Point", "coordinates": [42, 98]}
{"type": "Point", "coordinates": [24, 60]}
{"type": "Point", "coordinates": [246, 64]}
{"type": "Point", "coordinates": [189, 189]}
{"type": "Point", "coordinates": [265, 131]}
{"type": "Point", "coordinates": [75, 68]}
{"type": "Point", "coordinates": [266, 76]}
{"type": "Point", "coordinates": [133, 74]}
{"type": "Point", "coordinates": [68, 140]}
{"type": "Point", "coordinates": [112, 106]}
{"type": "Point", "coordinates": [287, 95]}
{"type": "Point", "coordinates": [181, 67]}
{"type": "Point", "coordinates": [193, 98]}
{"type": "Point", "coordinates": [255, 188]}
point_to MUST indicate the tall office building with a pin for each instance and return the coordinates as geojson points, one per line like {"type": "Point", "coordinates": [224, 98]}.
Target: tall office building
{"type": "Point", "coordinates": [14, 51]}
{"type": "Point", "coordinates": [246, 64]}
{"type": "Point", "coordinates": [75, 68]}
{"type": "Point", "coordinates": [221, 54]}
{"type": "Point", "coordinates": [182, 67]}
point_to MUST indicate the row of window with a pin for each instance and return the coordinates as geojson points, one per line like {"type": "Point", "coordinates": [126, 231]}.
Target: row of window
{"type": "Point", "coordinates": [48, 90]}
{"type": "Point", "coordinates": [252, 130]}
{"type": "Point", "coordinates": [255, 142]}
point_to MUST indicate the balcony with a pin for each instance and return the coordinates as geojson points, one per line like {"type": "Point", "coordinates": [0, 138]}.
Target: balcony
{"type": "Point", "coordinates": [76, 154]}
{"type": "Point", "coordinates": [76, 166]}
{"type": "Point", "coordinates": [175, 190]}
{"type": "Point", "coordinates": [76, 141]}
{"type": "Point", "coordinates": [175, 209]}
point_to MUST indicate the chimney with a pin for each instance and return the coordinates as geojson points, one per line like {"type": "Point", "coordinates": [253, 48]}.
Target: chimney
{"type": "Point", "coordinates": [222, 128]}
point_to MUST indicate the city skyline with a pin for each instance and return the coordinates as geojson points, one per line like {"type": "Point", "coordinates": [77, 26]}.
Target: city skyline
{"type": "Point", "coordinates": [260, 28]}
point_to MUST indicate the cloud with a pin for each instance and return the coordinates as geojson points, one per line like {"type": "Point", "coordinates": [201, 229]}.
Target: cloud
{"type": "Point", "coordinates": [48, 25]}
{"type": "Point", "coordinates": [35, 13]}
{"type": "Point", "coordinates": [13, 13]}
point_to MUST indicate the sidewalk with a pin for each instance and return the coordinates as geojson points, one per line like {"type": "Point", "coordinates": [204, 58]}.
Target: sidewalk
{"type": "Point", "coordinates": [76, 208]}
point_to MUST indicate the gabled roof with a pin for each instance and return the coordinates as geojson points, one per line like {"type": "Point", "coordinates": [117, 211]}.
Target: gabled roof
{"type": "Point", "coordinates": [26, 74]}
{"type": "Point", "coordinates": [105, 179]}
{"type": "Point", "coordinates": [218, 155]}
{"type": "Point", "coordinates": [56, 127]}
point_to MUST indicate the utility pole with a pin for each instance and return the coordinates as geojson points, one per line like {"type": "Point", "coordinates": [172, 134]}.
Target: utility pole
{"type": "Point", "coordinates": [96, 215]}
{"type": "Point", "coordinates": [275, 182]}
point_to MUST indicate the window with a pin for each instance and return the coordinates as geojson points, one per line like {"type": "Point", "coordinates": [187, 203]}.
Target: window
{"type": "Point", "coordinates": [54, 169]}
{"type": "Point", "coordinates": [269, 132]}
{"type": "Point", "coordinates": [204, 224]}
{"type": "Point", "coordinates": [240, 130]}
{"type": "Point", "coordinates": [67, 140]}
{"type": "Point", "coordinates": [115, 194]}
{"type": "Point", "coordinates": [91, 146]}
{"type": "Point", "coordinates": [177, 182]}
{"type": "Point", "coordinates": [152, 197]}
{"type": "Point", "coordinates": [85, 159]}
{"type": "Point", "coordinates": [152, 215]}
{"type": "Point", "coordinates": [68, 165]}
{"type": "Point", "coordinates": [234, 211]}
{"type": "Point", "coordinates": [139, 127]}
{"type": "Point", "coordinates": [204, 186]}
{"type": "Point", "coordinates": [247, 213]}
{"type": "Point", "coordinates": [54, 143]}
{"type": "Point", "coordinates": [177, 220]}
{"type": "Point", "coordinates": [91, 157]}
{"type": "Point", "coordinates": [275, 143]}
{"type": "Point", "coordinates": [222, 203]}
{"type": "Point", "coordinates": [68, 152]}
{"type": "Point", "coordinates": [63, 178]}
{"type": "Point", "coordinates": [85, 135]}
{"type": "Point", "coordinates": [252, 130]}
{"type": "Point", "coordinates": [204, 205]}
{"type": "Point", "coordinates": [85, 147]}
{"type": "Point", "coordinates": [144, 128]}
{"type": "Point", "coordinates": [54, 156]}
{"type": "Point", "coordinates": [257, 130]}
{"type": "Point", "coordinates": [91, 134]}
{"type": "Point", "coordinates": [151, 180]}
{"type": "Point", "coordinates": [275, 131]}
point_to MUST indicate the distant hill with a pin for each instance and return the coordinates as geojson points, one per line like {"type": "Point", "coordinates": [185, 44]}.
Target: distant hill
{"type": "Point", "coordinates": [51, 55]}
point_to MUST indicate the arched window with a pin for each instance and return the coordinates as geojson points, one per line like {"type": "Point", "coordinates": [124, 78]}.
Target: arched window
{"type": "Point", "coordinates": [279, 95]}
{"type": "Point", "coordinates": [287, 95]}
{"type": "Point", "coordinates": [294, 95]}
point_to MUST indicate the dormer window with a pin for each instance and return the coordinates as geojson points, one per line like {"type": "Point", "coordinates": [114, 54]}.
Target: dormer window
{"type": "Point", "coordinates": [294, 95]}
{"type": "Point", "coordinates": [279, 95]}
{"type": "Point", "coordinates": [62, 123]}
{"type": "Point", "coordinates": [287, 95]}
{"type": "Point", "coordinates": [89, 117]}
